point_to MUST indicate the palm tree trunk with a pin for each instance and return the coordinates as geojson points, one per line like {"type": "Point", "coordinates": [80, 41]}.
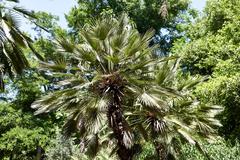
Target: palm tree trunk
{"type": "Point", "coordinates": [119, 125]}
{"type": "Point", "coordinates": [161, 151]}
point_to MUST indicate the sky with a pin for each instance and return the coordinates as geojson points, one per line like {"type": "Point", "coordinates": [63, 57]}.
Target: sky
{"type": "Point", "coordinates": [56, 7]}
{"type": "Point", "coordinates": [61, 7]}
{"type": "Point", "coordinates": [198, 4]}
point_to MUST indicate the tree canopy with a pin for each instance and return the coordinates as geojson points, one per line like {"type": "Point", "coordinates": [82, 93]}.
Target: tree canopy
{"type": "Point", "coordinates": [212, 48]}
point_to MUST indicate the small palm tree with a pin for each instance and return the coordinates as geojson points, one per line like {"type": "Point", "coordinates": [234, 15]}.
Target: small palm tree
{"type": "Point", "coordinates": [119, 89]}
{"type": "Point", "coordinates": [12, 40]}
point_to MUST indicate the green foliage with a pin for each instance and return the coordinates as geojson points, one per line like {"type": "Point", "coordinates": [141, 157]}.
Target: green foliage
{"type": "Point", "coordinates": [219, 150]}
{"type": "Point", "coordinates": [118, 96]}
{"type": "Point", "coordinates": [46, 22]}
{"type": "Point", "coordinates": [211, 48]}
{"type": "Point", "coordinates": [61, 148]}
{"type": "Point", "coordinates": [148, 152]}
{"type": "Point", "coordinates": [67, 149]}
{"type": "Point", "coordinates": [21, 143]}
{"type": "Point", "coordinates": [22, 132]}
{"type": "Point", "coordinates": [146, 14]}
{"type": "Point", "coordinates": [47, 30]}
{"type": "Point", "coordinates": [225, 91]}
{"type": "Point", "coordinates": [46, 26]}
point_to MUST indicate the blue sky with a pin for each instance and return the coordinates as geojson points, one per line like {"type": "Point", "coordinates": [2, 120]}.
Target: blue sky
{"type": "Point", "coordinates": [61, 7]}
{"type": "Point", "coordinates": [198, 4]}
{"type": "Point", "coordinates": [56, 7]}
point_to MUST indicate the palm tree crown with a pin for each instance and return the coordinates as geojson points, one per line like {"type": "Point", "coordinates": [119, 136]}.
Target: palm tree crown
{"type": "Point", "coordinates": [120, 92]}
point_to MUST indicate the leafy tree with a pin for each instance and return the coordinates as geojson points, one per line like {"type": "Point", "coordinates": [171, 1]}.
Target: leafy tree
{"type": "Point", "coordinates": [211, 48]}
{"type": "Point", "coordinates": [23, 135]}
{"type": "Point", "coordinates": [211, 43]}
{"type": "Point", "coordinates": [117, 89]}
{"type": "Point", "coordinates": [225, 91]}
{"type": "Point", "coordinates": [45, 22]}
{"type": "Point", "coordinates": [47, 30]}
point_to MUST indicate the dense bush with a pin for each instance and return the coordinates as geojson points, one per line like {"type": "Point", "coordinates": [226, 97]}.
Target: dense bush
{"type": "Point", "coordinates": [61, 148]}
{"type": "Point", "coordinates": [20, 133]}
{"type": "Point", "coordinates": [148, 152]}
{"type": "Point", "coordinates": [224, 91]}
{"type": "Point", "coordinates": [219, 150]}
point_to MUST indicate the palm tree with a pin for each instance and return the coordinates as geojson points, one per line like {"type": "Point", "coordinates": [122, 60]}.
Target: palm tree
{"type": "Point", "coordinates": [118, 89]}
{"type": "Point", "coordinates": [12, 41]}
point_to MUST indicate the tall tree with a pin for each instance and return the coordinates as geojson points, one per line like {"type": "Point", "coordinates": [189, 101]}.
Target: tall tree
{"type": "Point", "coordinates": [211, 48]}
{"type": "Point", "coordinates": [117, 88]}
{"type": "Point", "coordinates": [24, 136]}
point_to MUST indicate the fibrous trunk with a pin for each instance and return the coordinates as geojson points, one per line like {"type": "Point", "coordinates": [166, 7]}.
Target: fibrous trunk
{"type": "Point", "coordinates": [113, 86]}
{"type": "Point", "coordinates": [120, 129]}
{"type": "Point", "coordinates": [161, 151]}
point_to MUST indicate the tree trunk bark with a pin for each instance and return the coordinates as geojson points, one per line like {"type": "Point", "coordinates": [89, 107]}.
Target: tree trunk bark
{"type": "Point", "coordinates": [161, 151]}
{"type": "Point", "coordinates": [119, 125]}
{"type": "Point", "coordinates": [124, 153]}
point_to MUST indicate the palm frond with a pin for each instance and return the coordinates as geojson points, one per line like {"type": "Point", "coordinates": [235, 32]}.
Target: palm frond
{"type": "Point", "coordinates": [16, 1]}
{"type": "Point", "coordinates": [92, 145]}
{"type": "Point", "coordinates": [190, 82]}
{"type": "Point", "coordinates": [12, 40]}
{"type": "Point", "coordinates": [59, 64]}
{"type": "Point", "coordinates": [187, 136]}
{"type": "Point", "coordinates": [151, 101]}
{"type": "Point", "coordinates": [24, 12]}
{"type": "Point", "coordinates": [71, 125]}
{"type": "Point", "coordinates": [128, 139]}
{"type": "Point", "coordinates": [65, 45]}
